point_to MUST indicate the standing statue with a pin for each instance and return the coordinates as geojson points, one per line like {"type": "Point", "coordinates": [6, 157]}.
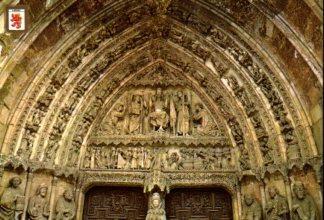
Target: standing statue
{"type": "Point", "coordinates": [135, 115]}
{"type": "Point", "coordinates": [38, 208]}
{"type": "Point", "coordinates": [252, 210]}
{"type": "Point", "coordinates": [117, 120]}
{"type": "Point", "coordinates": [159, 117]}
{"type": "Point", "coordinates": [65, 206]}
{"type": "Point", "coordinates": [303, 206]}
{"type": "Point", "coordinates": [12, 200]}
{"type": "Point", "coordinates": [173, 115]}
{"type": "Point", "coordinates": [156, 208]}
{"type": "Point", "coordinates": [277, 207]}
{"type": "Point", "coordinates": [183, 125]}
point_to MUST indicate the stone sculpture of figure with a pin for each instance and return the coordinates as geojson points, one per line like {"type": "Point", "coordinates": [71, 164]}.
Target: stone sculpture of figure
{"type": "Point", "coordinates": [65, 206]}
{"type": "Point", "coordinates": [117, 120]}
{"type": "Point", "coordinates": [303, 206]}
{"type": "Point", "coordinates": [252, 210]}
{"type": "Point", "coordinates": [159, 117]}
{"type": "Point", "coordinates": [173, 115]}
{"type": "Point", "coordinates": [183, 125]}
{"type": "Point", "coordinates": [135, 114]}
{"type": "Point", "coordinates": [12, 200]}
{"type": "Point", "coordinates": [244, 160]}
{"type": "Point", "coordinates": [38, 206]}
{"type": "Point", "coordinates": [156, 208]}
{"type": "Point", "coordinates": [174, 161]}
{"type": "Point", "coordinates": [135, 159]}
{"type": "Point", "coordinates": [277, 207]}
{"type": "Point", "coordinates": [201, 117]}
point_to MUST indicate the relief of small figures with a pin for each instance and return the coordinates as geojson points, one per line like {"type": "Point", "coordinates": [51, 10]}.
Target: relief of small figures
{"type": "Point", "coordinates": [12, 200]}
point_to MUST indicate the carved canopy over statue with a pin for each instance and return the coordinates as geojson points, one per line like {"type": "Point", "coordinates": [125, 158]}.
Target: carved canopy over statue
{"type": "Point", "coordinates": [148, 111]}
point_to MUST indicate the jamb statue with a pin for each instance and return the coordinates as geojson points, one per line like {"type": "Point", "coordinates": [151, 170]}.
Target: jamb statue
{"type": "Point", "coordinates": [65, 206]}
{"type": "Point", "coordinates": [253, 210]}
{"type": "Point", "coordinates": [12, 200]}
{"type": "Point", "coordinates": [38, 208]}
{"type": "Point", "coordinates": [303, 206]}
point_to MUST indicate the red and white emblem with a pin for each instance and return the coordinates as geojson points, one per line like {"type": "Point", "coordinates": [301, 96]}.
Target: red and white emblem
{"type": "Point", "coordinates": [16, 19]}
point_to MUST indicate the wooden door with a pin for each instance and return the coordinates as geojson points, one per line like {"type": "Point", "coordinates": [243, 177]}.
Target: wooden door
{"type": "Point", "coordinates": [115, 203]}
{"type": "Point", "coordinates": [202, 204]}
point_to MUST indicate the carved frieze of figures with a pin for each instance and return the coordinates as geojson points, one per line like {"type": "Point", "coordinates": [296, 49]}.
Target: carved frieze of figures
{"type": "Point", "coordinates": [172, 111]}
{"type": "Point", "coordinates": [303, 206]}
{"type": "Point", "coordinates": [12, 200]}
{"type": "Point", "coordinates": [166, 158]}
{"type": "Point", "coordinates": [252, 208]}
{"type": "Point", "coordinates": [277, 206]}
{"type": "Point", "coordinates": [65, 207]}
{"type": "Point", "coordinates": [38, 207]}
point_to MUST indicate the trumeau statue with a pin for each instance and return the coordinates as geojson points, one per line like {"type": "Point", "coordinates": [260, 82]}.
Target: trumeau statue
{"type": "Point", "coordinates": [303, 206]}
{"type": "Point", "coordinates": [38, 208]}
{"type": "Point", "coordinates": [277, 207]}
{"type": "Point", "coordinates": [12, 200]}
{"type": "Point", "coordinates": [252, 210]}
{"type": "Point", "coordinates": [65, 206]}
{"type": "Point", "coordinates": [156, 208]}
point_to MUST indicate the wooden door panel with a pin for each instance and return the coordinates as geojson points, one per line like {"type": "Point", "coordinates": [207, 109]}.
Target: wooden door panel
{"type": "Point", "coordinates": [115, 203]}
{"type": "Point", "coordinates": [202, 204]}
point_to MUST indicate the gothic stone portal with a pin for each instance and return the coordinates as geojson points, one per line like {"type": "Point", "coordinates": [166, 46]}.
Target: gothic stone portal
{"type": "Point", "coordinates": [117, 203]}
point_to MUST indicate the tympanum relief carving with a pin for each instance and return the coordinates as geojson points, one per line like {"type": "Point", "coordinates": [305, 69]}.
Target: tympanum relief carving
{"type": "Point", "coordinates": [169, 111]}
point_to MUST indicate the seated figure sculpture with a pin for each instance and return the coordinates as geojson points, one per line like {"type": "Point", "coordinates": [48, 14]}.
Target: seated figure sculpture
{"type": "Point", "coordinates": [159, 117]}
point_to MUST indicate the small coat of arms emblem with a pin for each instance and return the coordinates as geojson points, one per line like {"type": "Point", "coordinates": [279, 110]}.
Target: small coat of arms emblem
{"type": "Point", "coordinates": [16, 19]}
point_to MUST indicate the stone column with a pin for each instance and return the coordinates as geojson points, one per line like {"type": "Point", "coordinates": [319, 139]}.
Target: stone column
{"type": "Point", "coordinates": [289, 194]}
{"type": "Point", "coordinates": [52, 197]}
{"type": "Point", "coordinates": [79, 199]}
{"type": "Point", "coordinates": [235, 205]}
{"type": "Point", "coordinates": [263, 198]}
{"type": "Point", "coordinates": [29, 181]}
